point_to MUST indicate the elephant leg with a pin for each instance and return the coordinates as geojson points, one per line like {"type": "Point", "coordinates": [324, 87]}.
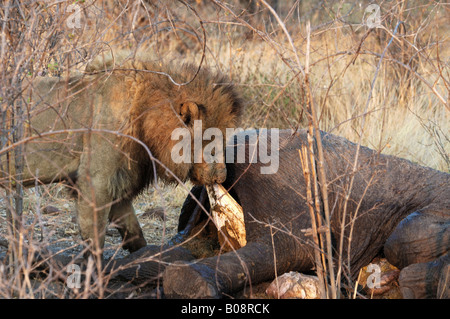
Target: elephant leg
{"type": "Point", "coordinates": [123, 216]}
{"type": "Point", "coordinates": [420, 237]}
{"type": "Point", "coordinates": [214, 276]}
{"type": "Point", "coordinates": [426, 280]}
{"type": "Point", "coordinates": [420, 247]}
{"type": "Point", "coordinates": [224, 274]}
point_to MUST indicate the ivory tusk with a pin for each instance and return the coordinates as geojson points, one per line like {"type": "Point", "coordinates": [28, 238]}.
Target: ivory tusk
{"type": "Point", "coordinates": [228, 217]}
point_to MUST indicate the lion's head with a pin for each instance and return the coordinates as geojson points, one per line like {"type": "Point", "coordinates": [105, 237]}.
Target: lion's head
{"type": "Point", "coordinates": [184, 120]}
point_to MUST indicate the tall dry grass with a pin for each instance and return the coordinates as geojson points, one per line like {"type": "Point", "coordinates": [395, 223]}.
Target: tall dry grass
{"type": "Point", "coordinates": [407, 114]}
{"type": "Point", "coordinates": [404, 118]}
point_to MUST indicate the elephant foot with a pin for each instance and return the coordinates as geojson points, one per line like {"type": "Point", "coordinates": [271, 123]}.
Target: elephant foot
{"type": "Point", "coordinates": [426, 280]}
{"type": "Point", "coordinates": [190, 281]}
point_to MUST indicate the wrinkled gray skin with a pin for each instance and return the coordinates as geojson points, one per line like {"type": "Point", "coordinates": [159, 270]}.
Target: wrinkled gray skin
{"type": "Point", "coordinates": [399, 209]}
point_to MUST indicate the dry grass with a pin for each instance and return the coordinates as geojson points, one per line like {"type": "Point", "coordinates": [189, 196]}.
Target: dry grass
{"type": "Point", "coordinates": [408, 114]}
{"type": "Point", "coordinates": [404, 119]}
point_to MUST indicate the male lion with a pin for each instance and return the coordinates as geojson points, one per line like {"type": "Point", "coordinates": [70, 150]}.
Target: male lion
{"type": "Point", "coordinates": [86, 129]}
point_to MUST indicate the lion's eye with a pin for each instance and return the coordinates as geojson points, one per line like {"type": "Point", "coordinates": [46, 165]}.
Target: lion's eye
{"type": "Point", "coordinates": [187, 119]}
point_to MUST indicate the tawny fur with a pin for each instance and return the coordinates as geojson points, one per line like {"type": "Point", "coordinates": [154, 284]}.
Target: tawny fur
{"type": "Point", "coordinates": [100, 115]}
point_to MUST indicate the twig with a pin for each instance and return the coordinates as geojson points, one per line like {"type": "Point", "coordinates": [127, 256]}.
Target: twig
{"type": "Point", "coordinates": [303, 154]}
{"type": "Point", "coordinates": [314, 131]}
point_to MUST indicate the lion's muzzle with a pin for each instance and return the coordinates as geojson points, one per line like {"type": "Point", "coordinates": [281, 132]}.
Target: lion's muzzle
{"type": "Point", "coordinates": [209, 173]}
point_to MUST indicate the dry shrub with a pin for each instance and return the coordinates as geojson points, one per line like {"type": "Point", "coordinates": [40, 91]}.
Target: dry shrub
{"type": "Point", "coordinates": [407, 114]}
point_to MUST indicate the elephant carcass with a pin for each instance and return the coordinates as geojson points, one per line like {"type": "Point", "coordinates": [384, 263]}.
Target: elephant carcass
{"type": "Point", "coordinates": [385, 191]}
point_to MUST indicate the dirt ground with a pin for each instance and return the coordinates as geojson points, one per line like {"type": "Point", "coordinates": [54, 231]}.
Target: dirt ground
{"type": "Point", "coordinates": [49, 214]}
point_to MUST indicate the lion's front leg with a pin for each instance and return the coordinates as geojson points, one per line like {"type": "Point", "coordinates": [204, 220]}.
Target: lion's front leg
{"type": "Point", "coordinates": [94, 195]}
{"type": "Point", "coordinates": [123, 216]}
{"type": "Point", "coordinates": [93, 207]}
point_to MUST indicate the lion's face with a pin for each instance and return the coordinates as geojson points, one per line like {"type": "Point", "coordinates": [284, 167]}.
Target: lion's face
{"type": "Point", "coordinates": [186, 127]}
{"type": "Point", "coordinates": [208, 173]}
{"type": "Point", "coordinates": [188, 145]}
{"type": "Point", "coordinates": [207, 144]}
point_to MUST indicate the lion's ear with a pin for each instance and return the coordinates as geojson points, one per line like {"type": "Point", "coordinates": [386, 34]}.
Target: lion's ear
{"type": "Point", "coordinates": [189, 112]}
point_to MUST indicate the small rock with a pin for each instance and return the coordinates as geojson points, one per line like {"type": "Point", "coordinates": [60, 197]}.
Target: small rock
{"type": "Point", "coordinates": [50, 210]}
{"type": "Point", "coordinates": [156, 212]}
{"type": "Point", "coordinates": [294, 285]}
